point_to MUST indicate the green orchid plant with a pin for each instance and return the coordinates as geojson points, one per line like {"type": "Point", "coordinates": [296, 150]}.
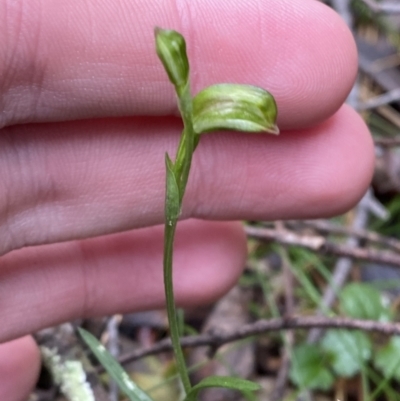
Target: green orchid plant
{"type": "Point", "coordinates": [217, 107]}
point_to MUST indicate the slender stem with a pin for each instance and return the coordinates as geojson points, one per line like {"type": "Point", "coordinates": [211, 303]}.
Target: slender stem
{"type": "Point", "coordinates": [182, 169]}
{"type": "Point", "coordinates": [171, 49]}
{"type": "Point", "coordinates": [180, 155]}
{"type": "Point", "coordinates": [169, 235]}
{"type": "Point", "coordinates": [185, 106]}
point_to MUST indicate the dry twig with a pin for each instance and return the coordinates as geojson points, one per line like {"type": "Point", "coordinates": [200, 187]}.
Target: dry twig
{"type": "Point", "coordinates": [380, 100]}
{"type": "Point", "coordinates": [387, 142]}
{"type": "Point", "coordinates": [383, 7]}
{"type": "Point", "coordinates": [217, 339]}
{"type": "Point", "coordinates": [322, 245]}
{"type": "Point", "coordinates": [326, 226]}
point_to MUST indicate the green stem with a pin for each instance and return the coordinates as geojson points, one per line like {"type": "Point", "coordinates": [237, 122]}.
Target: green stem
{"type": "Point", "coordinates": [171, 49]}
{"type": "Point", "coordinates": [187, 142]}
{"type": "Point", "coordinates": [169, 235]}
{"type": "Point", "coordinates": [182, 170]}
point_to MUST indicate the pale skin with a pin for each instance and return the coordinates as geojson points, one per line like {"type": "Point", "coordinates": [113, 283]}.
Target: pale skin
{"type": "Point", "coordinates": [76, 188]}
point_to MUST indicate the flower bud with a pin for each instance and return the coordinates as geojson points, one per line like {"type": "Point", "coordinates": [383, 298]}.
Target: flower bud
{"type": "Point", "coordinates": [234, 107]}
{"type": "Point", "coordinates": [171, 49]}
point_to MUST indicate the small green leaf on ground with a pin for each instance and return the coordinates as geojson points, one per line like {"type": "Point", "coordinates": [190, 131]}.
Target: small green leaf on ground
{"type": "Point", "coordinates": [309, 368]}
{"type": "Point", "coordinates": [387, 359]}
{"type": "Point", "coordinates": [349, 350]}
{"type": "Point", "coordinates": [362, 301]}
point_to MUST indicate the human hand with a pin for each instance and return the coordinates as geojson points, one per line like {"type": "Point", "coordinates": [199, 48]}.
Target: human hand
{"type": "Point", "coordinates": [78, 175]}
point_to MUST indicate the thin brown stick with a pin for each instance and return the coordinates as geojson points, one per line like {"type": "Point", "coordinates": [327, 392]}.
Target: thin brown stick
{"type": "Point", "coordinates": [387, 142]}
{"type": "Point", "coordinates": [380, 100]}
{"type": "Point", "coordinates": [384, 7]}
{"type": "Point", "coordinates": [325, 226]}
{"type": "Point", "coordinates": [322, 245]}
{"type": "Point", "coordinates": [217, 339]}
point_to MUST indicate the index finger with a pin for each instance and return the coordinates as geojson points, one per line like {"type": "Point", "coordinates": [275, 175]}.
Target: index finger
{"type": "Point", "coordinates": [77, 60]}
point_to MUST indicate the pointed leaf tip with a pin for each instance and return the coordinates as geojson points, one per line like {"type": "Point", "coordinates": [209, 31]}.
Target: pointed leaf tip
{"type": "Point", "coordinates": [233, 383]}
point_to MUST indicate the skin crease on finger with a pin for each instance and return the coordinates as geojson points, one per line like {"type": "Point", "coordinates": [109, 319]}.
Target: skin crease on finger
{"type": "Point", "coordinates": [82, 179]}
{"type": "Point", "coordinates": [328, 169]}
{"type": "Point", "coordinates": [322, 170]}
{"type": "Point", "coordinates": [77, 60]}
{"type": "Point", "coordinates": [45, 285]}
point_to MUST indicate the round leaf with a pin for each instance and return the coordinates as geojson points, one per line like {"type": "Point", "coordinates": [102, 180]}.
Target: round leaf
{"type": "Point", "coordinates": [387, 359]}
{"type": "Point", "coordinates": [361, 301]}
{"type": "Point", "coordinates": [309, 369]}
{"type": "Point", "coordinates": [348, 349]}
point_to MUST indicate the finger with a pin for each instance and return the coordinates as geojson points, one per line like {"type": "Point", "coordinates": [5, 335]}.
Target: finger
{"type": "Point", "coordinates": [92, 178]}
{"type": "Point", "coordinates": [19, 368]}
{"type": "Point", "coordinates": [43, 286]}
{"type": "Point", "coordinates": [72, 61]}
